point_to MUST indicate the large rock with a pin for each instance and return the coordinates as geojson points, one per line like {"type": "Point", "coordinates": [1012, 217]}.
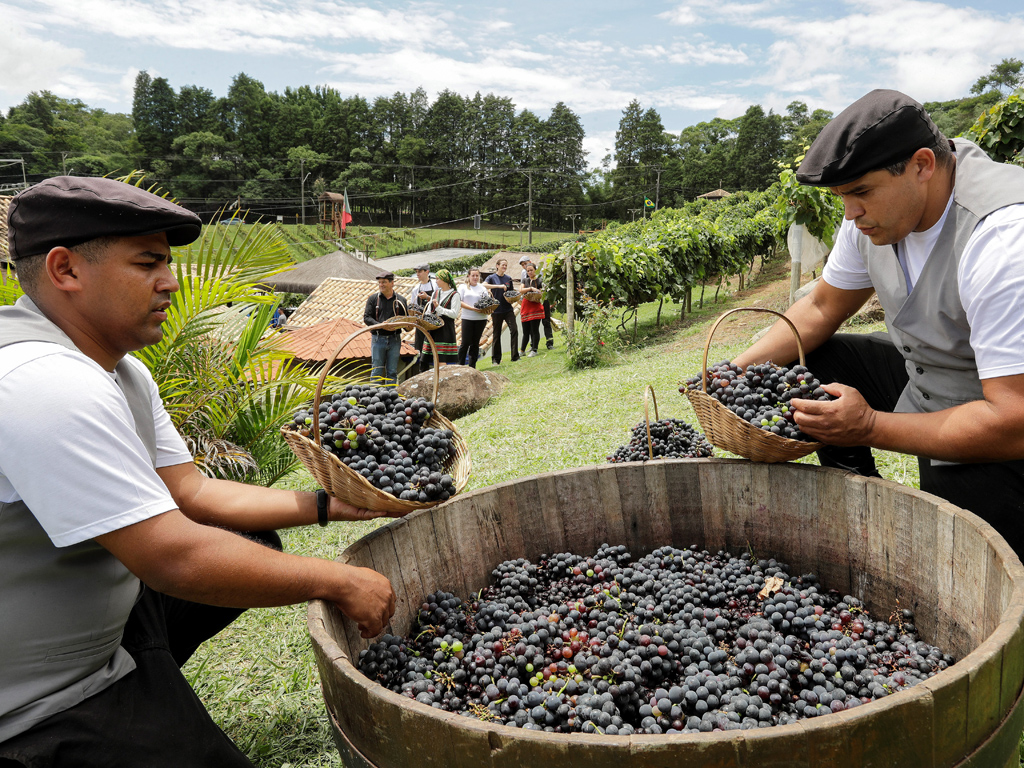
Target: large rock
{"type": "Point", "coordinates": [461, 390]}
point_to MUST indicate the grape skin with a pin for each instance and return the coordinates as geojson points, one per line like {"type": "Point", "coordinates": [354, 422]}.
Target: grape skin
{"type": "Point", "coordinates": [761, 394]}
{"type": "Point", "coordinates": [677, 641]}
{"type": "Point", "coordinates": [392, 448]}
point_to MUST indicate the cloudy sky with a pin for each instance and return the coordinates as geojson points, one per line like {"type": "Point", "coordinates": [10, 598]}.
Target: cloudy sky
{"type": "Point", "coordinates": [691, 60]}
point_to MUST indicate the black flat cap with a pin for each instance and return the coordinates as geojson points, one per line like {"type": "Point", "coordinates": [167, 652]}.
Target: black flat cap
{"type": "Point", "coordinates": [69, 210]}
{"type": "Point", "coordinates": [385, 276]}
{"type": "Point", "coordinates": [422, 266]}
{"type": "Point", "coordinates": [877, 130]}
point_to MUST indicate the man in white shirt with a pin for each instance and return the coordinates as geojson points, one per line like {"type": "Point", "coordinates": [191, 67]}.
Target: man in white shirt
{"type": "Point", "coordinates": [937, 230]}
{"type": "Point", "coordinates": [99, 496]}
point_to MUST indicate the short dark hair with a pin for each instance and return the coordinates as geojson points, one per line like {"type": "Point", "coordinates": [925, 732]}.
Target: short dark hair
{"type": "Point", "coordinates": [30, 268]}
{"type": "Point", "coordinates": [943, 157]}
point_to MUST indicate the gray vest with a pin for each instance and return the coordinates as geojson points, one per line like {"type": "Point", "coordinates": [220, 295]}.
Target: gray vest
{"type": "Point", "coordinates": [929, 326]}
{"type": "Point", "coordinates": [62, 609]}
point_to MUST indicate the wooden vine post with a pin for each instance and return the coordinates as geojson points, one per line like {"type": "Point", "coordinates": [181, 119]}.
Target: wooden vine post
{"type": "Point", "coordinates": [570, 293]}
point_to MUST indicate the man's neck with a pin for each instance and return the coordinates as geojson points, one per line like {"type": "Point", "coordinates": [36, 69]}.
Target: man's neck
{"type": "Point", "coordinates": [388, 293]}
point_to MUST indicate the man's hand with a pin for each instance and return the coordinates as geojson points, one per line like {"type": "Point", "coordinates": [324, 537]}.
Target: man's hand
{"type": "Point", "coordinates": [848, 420]}
{"type": "Point", "coordinates": [369, 600]}
{"type": "Point", "coordinates": [340, 510]}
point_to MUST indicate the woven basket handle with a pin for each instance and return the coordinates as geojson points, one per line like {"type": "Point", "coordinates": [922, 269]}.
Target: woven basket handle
{"type": "Point", "coordinates": [707, 345]}
{"type": "Point", "coordinates": [392, 324]}
{"type": "Point", "coordinates": [647, 418]}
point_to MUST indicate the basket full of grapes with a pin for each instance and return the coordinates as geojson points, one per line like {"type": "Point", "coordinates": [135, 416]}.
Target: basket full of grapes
{"type": "Point", "coordinates": [661, 438]}
{"type": "Point", "coordinates": [486, 304]}
{"type": "Point", "coordinates": [749, 412]}
{"type": "Point", "coordinates": [377, 450]}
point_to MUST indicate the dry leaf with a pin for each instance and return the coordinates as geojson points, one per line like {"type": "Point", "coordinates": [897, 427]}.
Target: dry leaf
{"type": "Point", "coordinates": [771, 586]}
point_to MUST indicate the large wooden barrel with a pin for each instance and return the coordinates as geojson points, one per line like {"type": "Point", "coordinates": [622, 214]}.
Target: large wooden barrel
{"type": "Point", "coordinates": [870, 538]}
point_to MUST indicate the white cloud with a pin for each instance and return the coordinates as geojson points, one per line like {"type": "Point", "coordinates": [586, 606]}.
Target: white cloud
{"type": "Point", "coordinates": [251, 26]}
{"type": "Point", "coordinates": [29, 63]}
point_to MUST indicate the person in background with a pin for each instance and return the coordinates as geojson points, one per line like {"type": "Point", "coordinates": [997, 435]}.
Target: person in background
{"type": "Point", "coordinates": [549, 333]}
{"type": "Point", "coordinates": [532, 309]}
{"type": "Point", "coordinates": [421, 296]}
{"type": "Point", "coordinates": [447, 306]}
{"type": "Point", "coordinates": [505, 314]}
{"type": "Point", "coordinates": [386, 347]}
{"type": "Point", "coordinates": [473, 322]}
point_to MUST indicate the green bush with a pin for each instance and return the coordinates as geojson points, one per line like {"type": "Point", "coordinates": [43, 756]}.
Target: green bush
{"type": "Point", "coordinates": [591, 340]}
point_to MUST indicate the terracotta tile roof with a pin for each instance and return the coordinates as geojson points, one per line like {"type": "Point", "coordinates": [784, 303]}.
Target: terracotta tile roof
{"type": "Point", "coordinates": [340, 298]}
{"type": "Point", "coordinates": [316, 343]}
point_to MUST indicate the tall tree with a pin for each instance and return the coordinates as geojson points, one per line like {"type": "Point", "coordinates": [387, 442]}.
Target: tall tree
{"type": "Point", "coordinates": [758, 149]}
{"type": "Point", "coordinates": [155, 113]}
{"type": "Point", "coordinates": [1004, 77]}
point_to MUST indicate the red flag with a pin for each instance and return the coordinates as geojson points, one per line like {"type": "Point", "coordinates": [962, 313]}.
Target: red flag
{"type": "Point", "coordinates": [346, 217]}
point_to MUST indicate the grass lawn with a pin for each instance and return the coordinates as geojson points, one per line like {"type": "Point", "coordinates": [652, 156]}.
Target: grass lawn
{"type": "Point", "coordinates": [259, 679]}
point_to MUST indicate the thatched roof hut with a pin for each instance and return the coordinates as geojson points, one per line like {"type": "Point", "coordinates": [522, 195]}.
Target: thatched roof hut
{"type": "Point", "coordinates": [305, 277]}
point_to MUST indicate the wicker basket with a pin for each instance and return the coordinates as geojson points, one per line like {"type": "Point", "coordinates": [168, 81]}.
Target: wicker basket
{"type": "Point", "coordinates": [725, 430]}
{"type": "Point", "coordinates": [345, 483]}
{"type": "Point", "coordinates": [425, 325]}
{"type": "Point", "coordinates": [512, 296]}
{"type": "Point", "coordinates": [486, 310]}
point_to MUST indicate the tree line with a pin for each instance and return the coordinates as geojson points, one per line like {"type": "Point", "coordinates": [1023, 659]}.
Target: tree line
{"type": "Point", "coordinates": [407, 160]}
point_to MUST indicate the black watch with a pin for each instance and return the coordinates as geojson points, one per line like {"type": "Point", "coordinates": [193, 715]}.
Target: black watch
{"type": "Point", "coordinates": [321, 507]}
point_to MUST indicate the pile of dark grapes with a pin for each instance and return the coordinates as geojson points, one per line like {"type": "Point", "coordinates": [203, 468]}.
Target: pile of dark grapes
{"type": "Point", "coordinates": [432, 318]}
{"type": "Point", "coordinates": [761, 394]}
{"type": "Point", "coordinates": [381, 435]}
{"type": "Point", "coordinates": [486, 302]}
{"type": "Point", "coordinates": [677, 641]}
{"type": "Point", "coordinates": [671, 438]}
{"type": "Point", "coordinates": [511, 294]}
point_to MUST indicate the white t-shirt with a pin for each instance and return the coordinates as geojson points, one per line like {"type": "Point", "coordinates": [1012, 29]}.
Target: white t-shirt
{"type": "Point", "coordinates": [990, 279]}
{"type": "Point", "coordinates": [471, 294]}
{"type": "Point", "coordinates": [68, 446]}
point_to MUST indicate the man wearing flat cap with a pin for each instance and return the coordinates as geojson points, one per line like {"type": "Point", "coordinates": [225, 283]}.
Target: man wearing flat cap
{"type": "Point", "coordinates": [936, 229]}
{"type": "Point", "coordinates": [117, 557]}
{"type": "Point", "coordinates": [386, 347]}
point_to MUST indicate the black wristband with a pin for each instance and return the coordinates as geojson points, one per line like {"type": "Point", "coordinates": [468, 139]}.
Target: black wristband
{"type": "Point", "coordinates": [321, 507]}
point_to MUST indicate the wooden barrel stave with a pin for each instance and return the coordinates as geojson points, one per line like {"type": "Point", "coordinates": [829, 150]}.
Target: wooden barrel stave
{"type": "Point", "coordinates": [714, 504]}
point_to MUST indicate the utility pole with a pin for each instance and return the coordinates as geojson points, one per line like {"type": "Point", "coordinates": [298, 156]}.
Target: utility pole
{"type": "Point", "coordinates": [573, 216]}
{"type": "Point", "coordinates": [302, 186]}
{"type": "Point", "coordinates": [63, 165]}
{"type": "Point", "coordinates": [529, 207]}
{"type": "Point", "coordinates": [657, 190]}
{"type": "Point", "coordinates": [633, 212]}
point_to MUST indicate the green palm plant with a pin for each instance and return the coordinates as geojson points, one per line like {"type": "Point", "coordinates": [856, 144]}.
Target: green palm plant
{"type": "Point", "coordinates": [226, 383]}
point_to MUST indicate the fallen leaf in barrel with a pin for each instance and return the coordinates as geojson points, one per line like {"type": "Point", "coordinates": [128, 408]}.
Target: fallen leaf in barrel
{"type": "Point", "coordinates": [771, 586]}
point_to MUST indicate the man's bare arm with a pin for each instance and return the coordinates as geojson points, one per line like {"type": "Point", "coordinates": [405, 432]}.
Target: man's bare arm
{"type": "Point", "coordinates": [179, 557]}
{"type": "Point", "coordinates": [984, 430]}
{"type": "Point", "coordinates": [816, 316]}
{"type": "Point", "coordinates": [242, 507]}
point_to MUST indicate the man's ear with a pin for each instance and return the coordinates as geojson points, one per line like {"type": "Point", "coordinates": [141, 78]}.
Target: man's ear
{"type": "Point", "coordinates": [62, 266]}
{"type": "Point", "coordinates": [923, 162]}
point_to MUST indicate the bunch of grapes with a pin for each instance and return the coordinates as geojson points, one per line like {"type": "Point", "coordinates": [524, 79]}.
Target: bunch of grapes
{"type": "Point", "coordinates": [432, 318]}
{"type": "Point", "coordinates": [511, 293]}
{"type": "Point", "coordinates": [671, 438]}
{"type": "Point", "coordinates": [679, 641]}
{"type": "Point", "coordinates": [486, 302]}
{"type": "Point", "coordinates": [383, 437]}
{"type": "Point", "coordinates": [761, 394]}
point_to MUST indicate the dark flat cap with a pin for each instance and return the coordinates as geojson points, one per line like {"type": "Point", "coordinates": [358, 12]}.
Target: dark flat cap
{"type": "Point", "coordinates": [385, 276]}
{"type": "Point", "coordinates": [422, 266]}
{"type": "Point", "coordinates": [69, 210]}
{"type": "Point", "coordinates": [877, 130]}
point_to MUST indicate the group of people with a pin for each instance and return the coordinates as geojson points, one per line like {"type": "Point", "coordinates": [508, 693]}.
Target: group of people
{"type": "Point", "coordinates": [438, 294]}
{"type": "Point", "coordinates": [119, 558]}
